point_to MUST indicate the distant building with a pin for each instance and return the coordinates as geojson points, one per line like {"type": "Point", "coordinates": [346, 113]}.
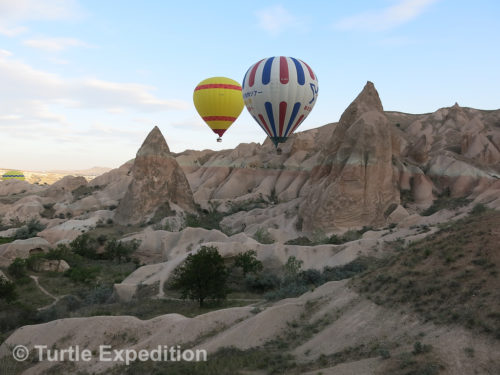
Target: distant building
{"type": "Point", "coordinates": [13, 175]}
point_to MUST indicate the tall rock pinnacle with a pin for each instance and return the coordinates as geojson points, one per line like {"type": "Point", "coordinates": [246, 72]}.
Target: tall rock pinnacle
{"type": "Point", "coordinates": [355, 183]}
{"type": "Point", "coordinates": [158, 180]}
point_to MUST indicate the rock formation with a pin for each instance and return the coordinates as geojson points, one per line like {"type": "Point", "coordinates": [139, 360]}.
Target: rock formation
{"type": "Point", "coordinates": [157, 181]}
{"type": "Point", "coordinates": [355, 183]}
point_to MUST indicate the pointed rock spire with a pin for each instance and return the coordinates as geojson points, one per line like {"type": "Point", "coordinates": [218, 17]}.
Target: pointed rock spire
{"type": "Point", "coordinates": [154, 144]}
{"type": "Point", "coordinates": [367, 100]}
{"type": "Point", "coordinates": [355, 183]}
{"type": "Point", "coordinates": [157, 181]}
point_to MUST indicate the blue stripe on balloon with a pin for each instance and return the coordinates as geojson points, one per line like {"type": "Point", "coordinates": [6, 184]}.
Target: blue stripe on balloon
{"type": "Point", "coordinates": [301, 78]}
{"type": "Point", "coordinates": [269, 111]}
{"type": "Point", "coordinates": [244, 79]}
{"type": "Point", "coordinates": [295, 110]}
{"type": "Point", "coordinates": [266, 73]}
{"type": "Point", "coordinates": [262, 126]}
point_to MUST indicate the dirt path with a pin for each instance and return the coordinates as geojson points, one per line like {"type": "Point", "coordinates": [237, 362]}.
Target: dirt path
{"type": "Point", "coordinates": [44, 291]}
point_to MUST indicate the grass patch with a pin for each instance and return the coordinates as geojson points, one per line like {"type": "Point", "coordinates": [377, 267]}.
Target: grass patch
{"type": "Point", "coordinates": [150, 308]}
{"type": "Point", "coordinates": [444, 201]}
{"type": "Point", "coordinates": [226, 361]}
{"type": "Point", "coordinates": [450, 277]}
{"type": "Point", "coordinates": [6, 240]}
{"type": "Point", "coordinates": [263, 236]}
{"type": "Point", "coordinates": [321, 239]}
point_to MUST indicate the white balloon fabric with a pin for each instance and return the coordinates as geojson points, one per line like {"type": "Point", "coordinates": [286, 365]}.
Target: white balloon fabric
{"type": "Point", "coordinates": [280, 92]}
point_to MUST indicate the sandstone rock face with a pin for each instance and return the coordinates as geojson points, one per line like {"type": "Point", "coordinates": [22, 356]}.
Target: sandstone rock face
{"type": "Point", "coordinates": [355, 183]}
{"type": "Point", "coordinates": [10, 187]}
{"type": "Point", "coordinates": [21, 249]}
{"type": "Point", "coordinates": [157, 180]}
{"type": "Point", "coordinates": [55, 265]}
{"type": "Point", "coordinates": [68, 230]}
{"type": "Point", "coordinates": [23, 210]}
{"type": "Point", "coordinates": [62, 188]}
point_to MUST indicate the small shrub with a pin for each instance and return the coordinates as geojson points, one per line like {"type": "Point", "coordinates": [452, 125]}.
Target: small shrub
{"type": "Point", "coordinates": [7, 290]}
{"type": "Point", "coordinates": [100, 294]}
{"type": "Point", "coordinates": [292, 268]}
{"type": "Point", "coordinates": [120, 250]}
{"type": "Point", "coordinates": [263, 236]}
{"type": "Point", "coordinates": [256, 310]}
{"type": "Point", "coordinates": [444, 201]}
{"type": "Point", "coordinates": [80, 274]}
{"type": "Point", "coordinates": [478, 209]}
{"type": "Point", "coordinates": [301, 241]}
{"type": "Point", "coordinates": [345, 271]}
{"type": "Point", "coordinates": [292, 289]}
{"type": "Point", "coordinates": [29, 230]}
{"type": "Point", "coordinates": [17, 268]}
{"type": "Point", "coordinates": [312, 276]}
{"type": "Point", "coordinates": [248, 262]}
{"type": "Point", "coordinates": [85, 246]}
{"type": "Point", "coordinates": [262, 282]}
{"type": "Point", "coordinates": [101, 239]}
{"type": "Point", "coordinates": [384, 353]}
{"type": "Point", "coordinates": [419, 348]}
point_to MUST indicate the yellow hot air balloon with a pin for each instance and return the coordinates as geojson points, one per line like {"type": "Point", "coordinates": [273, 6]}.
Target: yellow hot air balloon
{"type": "Point", "coordinates": [219, 102]}
{"type": "Point", "coordinates": [13, 175]}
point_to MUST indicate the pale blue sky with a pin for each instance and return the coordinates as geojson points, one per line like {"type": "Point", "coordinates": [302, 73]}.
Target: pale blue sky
{"type": "Point", "coordinates": [83, 82]}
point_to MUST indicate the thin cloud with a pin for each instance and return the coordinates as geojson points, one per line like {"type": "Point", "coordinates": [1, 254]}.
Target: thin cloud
{"type": "Point", "coordinates": [24, 85]}
{"type": "Point", "coordinates": [276, 19]}
{"type": "Point", "coordinates": [388, 18]}
{"type": "Point", "coordinates": [5, 53]}
{"type": "Point", "coordinates": [15, 12]}
{"type": "Point", "coordinates": [12, 31]}
{"type": "Point", "coordinates": [54, 44]}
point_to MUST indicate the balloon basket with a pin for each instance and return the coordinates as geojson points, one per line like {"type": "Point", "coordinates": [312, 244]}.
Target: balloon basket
{"type": "Point", "coordinates": [278, 151]}
{"type": "Point", "coordinates": [219, 139]}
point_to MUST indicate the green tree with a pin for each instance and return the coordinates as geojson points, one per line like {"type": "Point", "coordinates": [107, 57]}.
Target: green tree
{"type": "Point", "coordinates": [292, 268]}
{"type": "Point", "coordinates": [17, 268]}
{"type": "Point", "coordinates": [29, 230]}
{"type": "Point", "coordinates": [120, 250]}
{"type": "Point", "coordinates": [248, 262]}
{"type": "Point", "coordinates": [7, 290]}
{"type": "Point", "coordinates": [85, 246]}
{"type": "Point", "coordinates": [203, 275]}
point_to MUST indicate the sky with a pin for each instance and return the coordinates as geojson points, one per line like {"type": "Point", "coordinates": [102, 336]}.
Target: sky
{"type": "Point", "coordinates": [83, 82]}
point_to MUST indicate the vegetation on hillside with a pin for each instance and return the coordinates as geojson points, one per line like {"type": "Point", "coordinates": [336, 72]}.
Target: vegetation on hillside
{"type": "Point", "coordinates": [449, 277]}
{"type": "Point", "coordinates": [319, 238]}
{"type": "Point", "coordinates": [203, 275]}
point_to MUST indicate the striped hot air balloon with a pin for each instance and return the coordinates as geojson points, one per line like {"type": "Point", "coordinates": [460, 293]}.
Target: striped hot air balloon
{"type": "Point", "coordinates": [13, 175]}
{"type": "Point", "coordinates": [218, 102]}
{"type": "Point", "coordinates": [280, 92]}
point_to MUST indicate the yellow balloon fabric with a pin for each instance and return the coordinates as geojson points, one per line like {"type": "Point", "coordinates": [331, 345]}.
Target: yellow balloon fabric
{"type": "Point", "coordinates": [13, 175]}
{"type": "Point", "coordinates": [219, 102]}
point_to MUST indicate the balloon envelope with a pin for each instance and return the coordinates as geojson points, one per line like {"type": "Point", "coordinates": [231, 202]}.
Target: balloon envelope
{"type": "Point", "coordinates": [280, 92]}
{"type": "Point", "coordinates": [219, 103]}
{"type": "Point", "coordinates": [13, 175]}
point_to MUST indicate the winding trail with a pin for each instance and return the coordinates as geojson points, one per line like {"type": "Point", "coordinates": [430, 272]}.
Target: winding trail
{"type": "Point", "coordinates": [44, 291]}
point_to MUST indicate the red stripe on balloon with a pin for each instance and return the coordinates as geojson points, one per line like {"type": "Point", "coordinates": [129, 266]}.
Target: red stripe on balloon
{"type": "Point", "coordinates": [219, 131]}
{"type": "Point", "coordinates": [283, 70]}
{"type": "Point", "coordinates": [251, 79]}
{"type": "Point", "coordinates": [311, 73]}
{"type": "Point", "coordinates": [296, 124]}
{"type": "Point", "coordinates": [219, 118]}
{"type": "Point", "coordinates": [265, 125]}
{"type": "Point", "coordinates": [282, 117]}
{"type": "Point", "coordinates": [218, 86]}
